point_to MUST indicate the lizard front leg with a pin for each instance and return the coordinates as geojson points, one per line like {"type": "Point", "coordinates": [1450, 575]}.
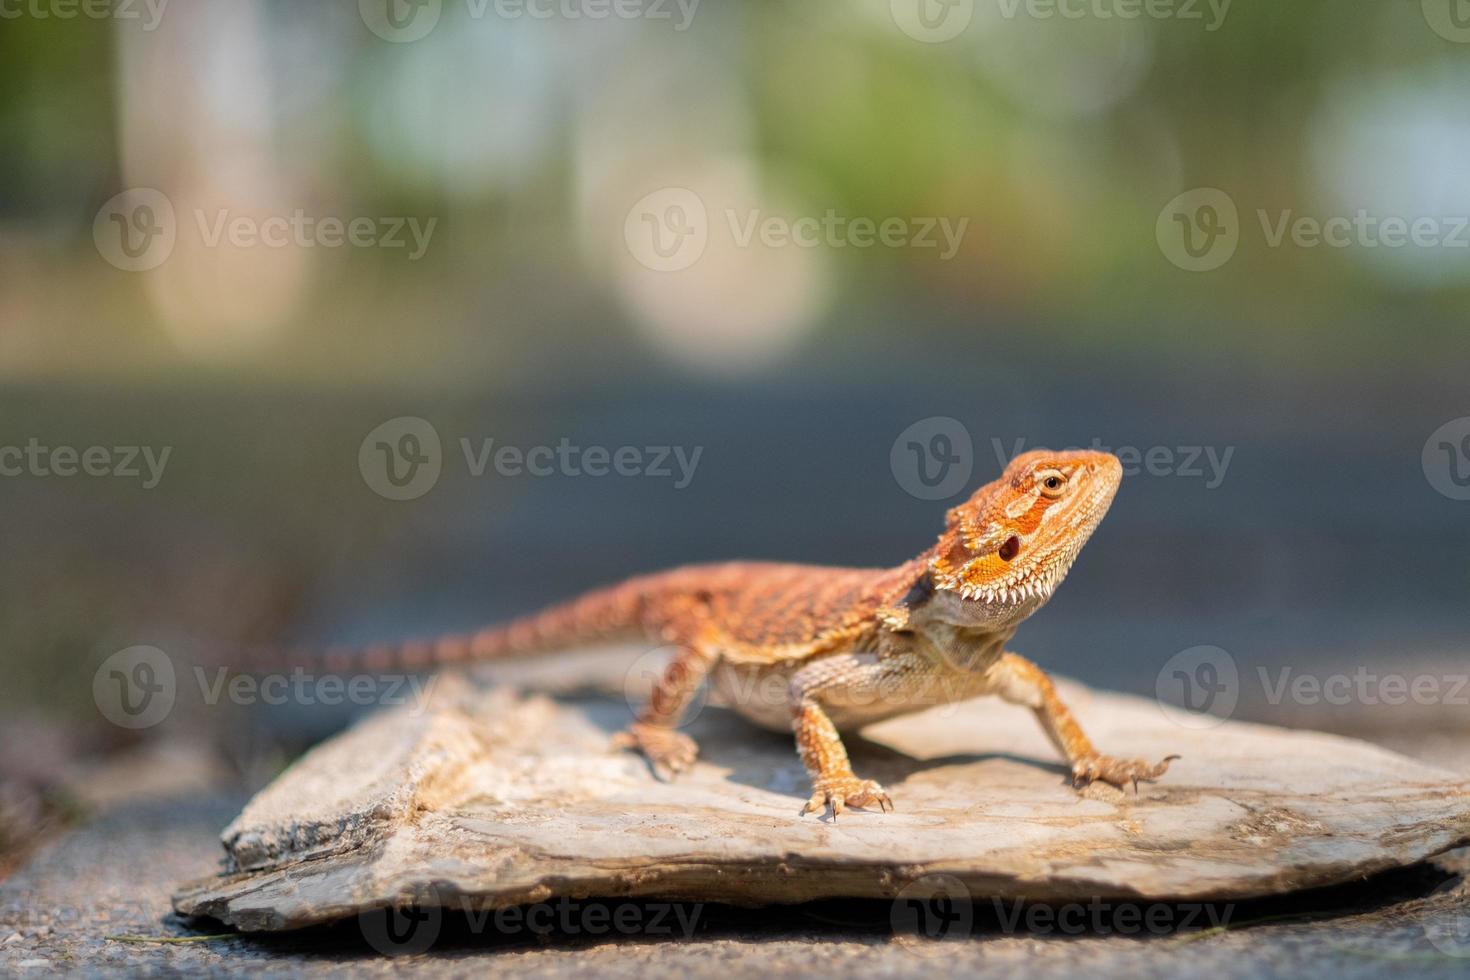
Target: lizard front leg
{"type": "Point", "coordinates": [668, 750]}
{"type": "Point", "coordinates": [834, 785]}
{"type": "Point", "coordinates": [1020, 681]}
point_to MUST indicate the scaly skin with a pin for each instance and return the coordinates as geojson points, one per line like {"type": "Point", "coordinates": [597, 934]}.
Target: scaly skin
{"type": "Point", "coordinates": [845, 646]}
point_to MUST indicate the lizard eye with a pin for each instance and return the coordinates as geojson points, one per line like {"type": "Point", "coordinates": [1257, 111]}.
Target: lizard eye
{"type": "Point", "coordinates": [1052, 483]}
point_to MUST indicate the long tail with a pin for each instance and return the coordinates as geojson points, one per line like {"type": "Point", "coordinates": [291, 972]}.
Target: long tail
{"type": "Point", "coordinates": [605, 613]}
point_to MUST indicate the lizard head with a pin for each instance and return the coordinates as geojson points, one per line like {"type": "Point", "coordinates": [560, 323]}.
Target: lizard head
{"type": "Point", "coordinates": [1006, 549]}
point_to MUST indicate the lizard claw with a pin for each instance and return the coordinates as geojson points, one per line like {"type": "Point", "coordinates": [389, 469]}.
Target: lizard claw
{"type": "Point", "coordinates": [845, 791]}
{"type": "Point", "coordinates": [1117, 772]}
{"type": "Point", "coordinates": [668, 752]}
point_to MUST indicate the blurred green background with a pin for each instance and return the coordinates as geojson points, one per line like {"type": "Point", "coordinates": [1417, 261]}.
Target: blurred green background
{"type": "Point", "coordinates": [532, 137]}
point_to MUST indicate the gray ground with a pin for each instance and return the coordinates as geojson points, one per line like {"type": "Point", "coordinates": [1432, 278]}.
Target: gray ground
{"type": "Point", "coordinates": [112, 876]}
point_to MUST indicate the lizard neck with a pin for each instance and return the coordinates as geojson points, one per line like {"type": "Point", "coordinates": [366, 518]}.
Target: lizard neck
{"type": "Point", "coordinates": [962, 648]}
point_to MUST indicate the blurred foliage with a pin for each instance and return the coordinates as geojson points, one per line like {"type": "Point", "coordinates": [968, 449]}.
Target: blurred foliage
{"type": "Point", "coordinates": [836, 108]}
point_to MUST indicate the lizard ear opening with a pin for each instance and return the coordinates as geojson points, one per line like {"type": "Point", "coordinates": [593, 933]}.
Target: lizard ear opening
{"type": "Point", "coordinates": [1010, 548]}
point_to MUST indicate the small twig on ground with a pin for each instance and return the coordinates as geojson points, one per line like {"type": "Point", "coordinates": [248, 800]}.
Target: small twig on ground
{"type": "Point", "coordinates": [136, 938]}
{"type": "Point", "coordinates": [1235, 926]}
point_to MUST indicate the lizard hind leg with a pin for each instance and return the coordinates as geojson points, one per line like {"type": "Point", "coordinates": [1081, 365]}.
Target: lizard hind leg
{"type": "Point", "coordinates": [668, 750]}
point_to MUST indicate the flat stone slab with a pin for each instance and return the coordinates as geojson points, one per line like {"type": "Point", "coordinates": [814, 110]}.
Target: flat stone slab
{"type": "Point", "coordinates": [487, 798]}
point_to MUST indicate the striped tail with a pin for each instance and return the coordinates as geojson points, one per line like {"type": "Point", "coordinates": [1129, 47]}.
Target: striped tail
{"type": "Point", "coordinates": [602, 614]}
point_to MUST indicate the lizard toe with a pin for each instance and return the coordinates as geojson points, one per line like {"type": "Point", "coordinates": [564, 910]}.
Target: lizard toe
{"type": "Point", "coordinates": [668, 752]}
{"type": "Point", "coordinates": [1117, 772]}
{"type": "Point", "coordinates": [836, 795]}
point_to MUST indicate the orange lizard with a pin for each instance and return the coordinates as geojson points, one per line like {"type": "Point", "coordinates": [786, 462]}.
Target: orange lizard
{"type": "Point", "coordinates": [849, 646]}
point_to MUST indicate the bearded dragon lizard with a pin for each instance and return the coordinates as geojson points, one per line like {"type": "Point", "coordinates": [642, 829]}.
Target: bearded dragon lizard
{"type": "Point", "coordinates": [846, 646]}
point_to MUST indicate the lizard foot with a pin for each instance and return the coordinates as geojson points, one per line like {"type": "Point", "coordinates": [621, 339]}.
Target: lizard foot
{"type": "Point", "coordinates": [846, 791]}
{"type": "Point", "coordinates": [1118, 772]}
{"type": "Point", "coordinates": [668, 752]}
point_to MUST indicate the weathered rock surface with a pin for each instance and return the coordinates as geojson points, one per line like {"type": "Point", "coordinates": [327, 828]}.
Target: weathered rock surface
{"type": "Point", "coordinates": [491, 798]}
